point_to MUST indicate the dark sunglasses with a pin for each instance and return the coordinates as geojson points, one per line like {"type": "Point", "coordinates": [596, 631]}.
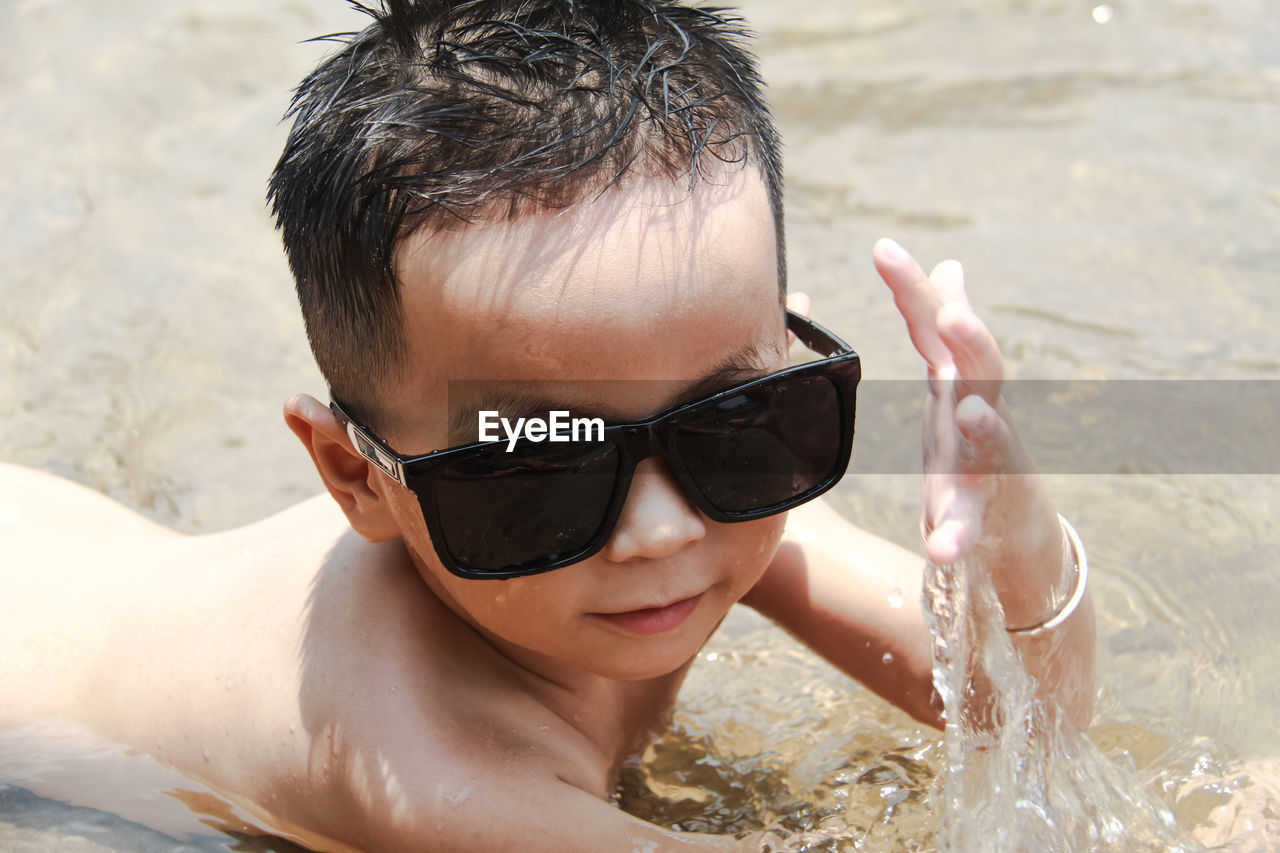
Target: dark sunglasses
{"type": "Point", "coordinates": [750, 451]}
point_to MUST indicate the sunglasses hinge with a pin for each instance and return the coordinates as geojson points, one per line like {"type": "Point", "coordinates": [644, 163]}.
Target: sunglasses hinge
{"type": "Point", "coordinates": [375, 454]}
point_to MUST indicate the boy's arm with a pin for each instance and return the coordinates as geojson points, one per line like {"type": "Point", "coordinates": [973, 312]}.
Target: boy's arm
{"type": "Point", "coordinates": [855, 599]}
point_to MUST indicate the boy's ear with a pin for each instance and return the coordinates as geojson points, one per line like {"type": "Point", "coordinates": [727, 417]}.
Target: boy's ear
{"type": "Point", "coordinates": [799, 303]}
{"type": "Point", "coordinates": [347, 475]}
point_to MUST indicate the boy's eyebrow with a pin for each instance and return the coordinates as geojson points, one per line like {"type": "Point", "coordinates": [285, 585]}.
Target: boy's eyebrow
{"type": "Point", "coordinates": [748, 362]}
{"type": "Point", "coordinates": [464, 422]}
{"type": "Point", "coordinates": [739, 366]}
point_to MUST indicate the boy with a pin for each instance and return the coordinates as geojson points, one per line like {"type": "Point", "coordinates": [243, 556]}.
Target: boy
{"type": "Point", "coordinates": [524, 208]}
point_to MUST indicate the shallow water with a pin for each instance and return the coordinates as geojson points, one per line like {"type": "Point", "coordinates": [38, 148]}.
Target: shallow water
{"type": "Point", "coordinates": [1111, 188]}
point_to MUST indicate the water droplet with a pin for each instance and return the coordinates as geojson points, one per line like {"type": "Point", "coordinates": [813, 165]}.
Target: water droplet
{"type": "Point", "coordinates": [461, 795]}
{"type": "Point", "coordinates": [895, 598]}
{"type": "Point", "coordinates": [887, 658]}
{"type": "Point", "coordinates": [1102, 14]}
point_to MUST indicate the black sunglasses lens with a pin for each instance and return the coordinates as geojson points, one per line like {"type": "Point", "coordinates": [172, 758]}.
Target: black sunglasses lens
{"type": "Point", "coordinates": [764, 446]}
{"type": "Point", "coordinates": [502, 512]}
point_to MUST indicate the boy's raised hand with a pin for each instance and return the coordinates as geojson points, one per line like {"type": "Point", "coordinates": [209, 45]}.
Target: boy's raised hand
{"type": "Point", "coordinates": [991, 503]}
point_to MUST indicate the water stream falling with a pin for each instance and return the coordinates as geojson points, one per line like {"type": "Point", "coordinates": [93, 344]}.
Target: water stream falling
{"type": "Point", "coordinates": [1019, 775]}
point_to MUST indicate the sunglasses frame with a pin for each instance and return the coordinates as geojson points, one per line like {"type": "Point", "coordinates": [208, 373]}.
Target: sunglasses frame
{"type": "Point", "coordinates": [635, 442]}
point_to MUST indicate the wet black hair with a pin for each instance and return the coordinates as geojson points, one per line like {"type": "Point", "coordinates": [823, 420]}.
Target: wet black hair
{"type": "Point", "coordinates": [440, 114]}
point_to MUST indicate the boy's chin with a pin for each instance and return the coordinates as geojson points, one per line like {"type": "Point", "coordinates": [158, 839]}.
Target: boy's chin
{"type": "Point", "coordinates": [648, 672]}
{"type": "Point", "coordinates": [645, 664]}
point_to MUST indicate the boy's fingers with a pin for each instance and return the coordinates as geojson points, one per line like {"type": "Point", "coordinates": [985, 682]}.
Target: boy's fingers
{"type": "Point", "coordinates": [948, 281]}
{"type": "Point", "coordinates": [916, 298]}
{"type": "Point", "coordinates": [955, 507]}
{"type": "Point", "coordinates": [798, 302]}
{"type": "Point", "coordinates": [987, 438]}
{"type": "Point", "coordinates": [957, 532]}
{"type": "Point", "coordinates": [973, 349]}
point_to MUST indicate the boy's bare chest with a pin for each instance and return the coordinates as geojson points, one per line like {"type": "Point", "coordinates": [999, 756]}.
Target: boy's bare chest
{"type": "Point", "coordinates": [400, 675]}
{"type": "Point", "coordinates": [582, 739]}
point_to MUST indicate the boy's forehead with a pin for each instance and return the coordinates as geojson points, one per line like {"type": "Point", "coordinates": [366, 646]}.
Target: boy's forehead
{"type": "Point", "coordinates": [654, 279]}
{"type": "Point", "coordinates": [630, 250]}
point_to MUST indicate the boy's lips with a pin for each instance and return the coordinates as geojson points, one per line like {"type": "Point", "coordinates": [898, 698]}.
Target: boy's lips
{"type": "Point", "coordinates": [654, 620]}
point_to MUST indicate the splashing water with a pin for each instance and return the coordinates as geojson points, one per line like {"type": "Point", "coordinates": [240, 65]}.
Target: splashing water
{"type": "Point", "coordinates": [1019, 776]}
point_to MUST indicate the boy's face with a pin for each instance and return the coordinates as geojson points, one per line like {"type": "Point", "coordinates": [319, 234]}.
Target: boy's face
{"type": "Point", "coordinates": [652, 281]}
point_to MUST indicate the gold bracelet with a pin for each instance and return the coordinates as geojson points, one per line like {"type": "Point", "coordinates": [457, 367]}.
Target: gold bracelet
{"type": "Point", "coordinates": [1081, 561]}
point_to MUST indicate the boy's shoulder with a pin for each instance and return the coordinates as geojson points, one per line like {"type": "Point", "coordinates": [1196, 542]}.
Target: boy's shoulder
{"type": "Point", "coordinates": [35, 504]}
{"type": "Point", "coordinates": [316, 669]}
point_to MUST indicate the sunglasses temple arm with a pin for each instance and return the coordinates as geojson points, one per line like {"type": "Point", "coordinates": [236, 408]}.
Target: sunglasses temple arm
{"type": "Point", "coordinates": [815, 336]}
{"type": "Point", "coordinates": [368, 446]}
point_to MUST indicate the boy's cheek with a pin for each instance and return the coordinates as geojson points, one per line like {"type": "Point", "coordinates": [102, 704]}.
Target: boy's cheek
{"type": "Point", "coordinates": [403, 506]}
{"type": "Point", "coordinates": [754, 550]}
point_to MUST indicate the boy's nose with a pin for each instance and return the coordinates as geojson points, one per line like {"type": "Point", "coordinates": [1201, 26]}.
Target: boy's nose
{"type": "Point", "coordinates": [657, 520]}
